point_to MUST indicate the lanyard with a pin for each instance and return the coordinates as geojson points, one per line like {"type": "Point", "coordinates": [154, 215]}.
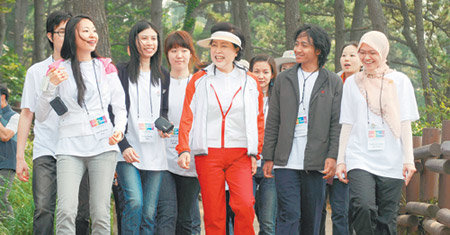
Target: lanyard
{"type": "Point", "coordinates": [150, 93]}
{"type": "Point", "coordinates": [367, 102]}
{"type": "Point", "coordinates": [226, 113]}
{"type": "Point", "coordinates": [98, 90]}
{"type": "Point", "coordinates": [304, 84]}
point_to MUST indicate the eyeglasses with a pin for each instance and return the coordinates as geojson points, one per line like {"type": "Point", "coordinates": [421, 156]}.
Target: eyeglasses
{"type": "Point", "coordinates": [60, 33]}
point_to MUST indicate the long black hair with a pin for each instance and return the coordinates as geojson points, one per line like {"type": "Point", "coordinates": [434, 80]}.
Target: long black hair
{"type": "Point", "coordinates": [134, 63]}
{"type": "Point", "coordinates": [69, 51]}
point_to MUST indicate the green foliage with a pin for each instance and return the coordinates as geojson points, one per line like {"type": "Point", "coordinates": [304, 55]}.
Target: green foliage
{"type": "Point", "coordinates": [21, 198]}
{"type": "Point", "coordinates": [189, 21]}
{"type": "Point", "coordinates": [13, 75]}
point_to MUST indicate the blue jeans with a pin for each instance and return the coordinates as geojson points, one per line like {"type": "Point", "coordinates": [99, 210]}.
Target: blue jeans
{"type": "Point", "coordinates": [178, 210]}
{"type": "Point", "coordinates": [339, 197]}
{"type": "Point", "coordinates": [265, 194]}
{"type": "Point", "coordinates": [300, 196]}
{"type": "Point", "coordinates": [140, 192]}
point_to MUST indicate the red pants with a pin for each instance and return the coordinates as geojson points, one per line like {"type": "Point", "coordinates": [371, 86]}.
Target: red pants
{"type": "Point", "coordinates": [234, 166]}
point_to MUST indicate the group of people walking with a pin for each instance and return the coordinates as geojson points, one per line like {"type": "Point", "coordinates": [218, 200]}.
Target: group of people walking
{"type": "Point", "coordinates": [270, 135]}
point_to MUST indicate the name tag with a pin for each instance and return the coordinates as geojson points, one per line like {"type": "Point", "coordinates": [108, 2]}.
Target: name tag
{"type": "Point", "coordinates": [376, 138]}
{"type": "Point", "coordinates": [172, 141]}
{"type": "Point", "coordinates": [301, 126]}
{"type": "Point", "coordinates": [100, 126]}
{"type": "Point", "coordinates": [147, 131]}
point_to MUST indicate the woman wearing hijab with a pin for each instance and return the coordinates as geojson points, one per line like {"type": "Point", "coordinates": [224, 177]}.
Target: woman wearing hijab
{"type": "Point", "coordinates": [375, 147]}
{"type": "Point", "coordinates": [222, 125]}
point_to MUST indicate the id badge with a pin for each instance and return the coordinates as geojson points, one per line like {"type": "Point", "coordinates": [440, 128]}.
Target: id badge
{"type": "Point", "coordinates": [100, 126]}
{"type": "Point", "coordinates": [147, 131]}
{"type": "Point", "coordinates": [172, 141]}
{"type": "Point", "coordinates": [376, 138]}
{"type": "Point", "coordinates": [301, 125]}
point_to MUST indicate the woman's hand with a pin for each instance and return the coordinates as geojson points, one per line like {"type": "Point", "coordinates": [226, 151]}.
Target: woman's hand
{"type": "Point", "coordinates": [115, 138]}
{"type": "Point", "coordinates": [408, 172]}
{"type": "Point", "coordinates": [184, 160]}
{"type": "Point", "coordinates": [130, 155]}
{"type": "Point", "coordinates": [267, 169]}
{"type": "Point", "coordinates": [254, 166]}
{"type": "Point", "coordinates": [341, 173]}
{"type": "Point", "coordinates": [56, 76]}
{"type": "Point", "coordinates": [163, 135]}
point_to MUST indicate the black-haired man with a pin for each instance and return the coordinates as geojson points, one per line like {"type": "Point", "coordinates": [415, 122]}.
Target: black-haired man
{"type": "Point", "coordinates": [302, 133]}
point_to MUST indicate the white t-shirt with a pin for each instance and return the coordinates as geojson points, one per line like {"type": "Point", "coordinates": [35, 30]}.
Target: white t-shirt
{"type": "Point", "coordinates": [177, 91]}
{"type": "Point", "coordinates": [152, 154]}
{"type": "Point", "coordinates": [387, 162]}
{"type": "Point", "coordinates": [227, 86]}
{"type": "Point", "coordinates": [13, 123]}
{"type": "Point", "coordinates": [46, 132]}
{"type": "Point", "coordinates": [297, 155]}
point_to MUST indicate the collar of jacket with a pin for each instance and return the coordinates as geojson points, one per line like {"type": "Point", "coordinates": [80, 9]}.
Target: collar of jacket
{"type": "Point", "coordinates": [292, 75]}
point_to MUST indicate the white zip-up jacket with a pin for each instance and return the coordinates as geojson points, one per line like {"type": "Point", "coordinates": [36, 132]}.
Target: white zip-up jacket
{"type": "Point", "coordinates": [193, 133]}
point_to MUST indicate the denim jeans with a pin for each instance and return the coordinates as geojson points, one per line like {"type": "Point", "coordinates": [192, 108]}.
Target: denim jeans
{"type": "Point", "coordinates": [300, 197]}
{"type": "Point", "coordinates": [6, 182]}
{"type": "Point", "coordinates": [44, 196]}
{"type": "Point", "coordinates": [140, 190]}
{"type": "Point", "coordinates": [338, 196]}
{"type": "Point", "coordinates": [178, 209]}
{"type": "Point", "coordinates": [266, 202]}
{"type": "Point", "coordinates": [374, 202]}
{"type": "Point", "coordinates": [70, 170]}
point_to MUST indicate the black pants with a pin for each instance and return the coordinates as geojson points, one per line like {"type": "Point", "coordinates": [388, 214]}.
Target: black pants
{"type": "Point", "coordinates": [374, 202]}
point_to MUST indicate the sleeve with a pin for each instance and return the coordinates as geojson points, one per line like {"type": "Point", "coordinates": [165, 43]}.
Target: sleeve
{"type": "Point", "coordinates": [117, 101]}
{"type": "Point", "coordinates": [343, 142]}
{"type": "Point", "coordinates": [272, 122]}
{"type": "Point", "coordinates": [407, 145]}
{"type": "Point", "coordinates": [13, 123]}
{"type": "Point", "coordinates": [335, 126]}
{"type": "Point", "coordinates": [260, 117]}
{"type": "Point", "coordinates": [29, 91]}
{"type": "Point", "coordinates": [187, 117]}
{"type": "Point", "coordinates": [43, 107]}
{"type": "Point", "coordinates": [407, 101]}
{"type": "Point", "coordinates": [347, 106]}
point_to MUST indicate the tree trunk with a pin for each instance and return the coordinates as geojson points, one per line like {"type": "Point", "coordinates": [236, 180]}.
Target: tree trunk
{"type": "Point", "coordinates": [3, 26]}
{"type": "Point", "coordinates": [39, 31]}
{"type": "Point", "coordinates": [68, 6]}
{"type": "Point", "coordinates": [96, 10]}
{"type": "Point", "coordinates": [49, 7]}
{"type": "Point", "coordinates": [357, 21]}
{"type": "Point", "coordinates": [339, 11]}
{"type": "Point", "coordinates": [156, 15]}
{"type": "Point", "coordinates": [292, 21]}
{"type": "Point", "coordinates": [20, 16]}
{"type": "Point", "coordinates": [189, 19]}
{"type": "Point", "coordinates": [377, 17]}
{"type": "Point", "coordinates": [419, 53]}
{"type": "Point", "coordinates": [235, 13]}
{"type": "Point", "coordinates": [245, 27]}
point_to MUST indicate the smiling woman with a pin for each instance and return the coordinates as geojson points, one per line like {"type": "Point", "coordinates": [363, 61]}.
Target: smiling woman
{"type": "Point", "coordinates": [223, 122]}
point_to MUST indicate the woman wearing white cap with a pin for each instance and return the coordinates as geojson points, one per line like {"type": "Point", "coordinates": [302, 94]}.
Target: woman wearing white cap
{"type": "Point", "coordinates": [375, 147]}
{"type": "Point", "coordinates": [222, 125]}
{"type": "Point", "coordinates": [286, 61]}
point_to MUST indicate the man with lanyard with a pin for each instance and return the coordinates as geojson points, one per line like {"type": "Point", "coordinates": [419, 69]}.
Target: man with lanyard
{"type": "Point", "coordinates": [302, 133]}
{"type": "Point", "coordinates": [8, 138]}
{"type": "Point", "coordinates": [45, 138]}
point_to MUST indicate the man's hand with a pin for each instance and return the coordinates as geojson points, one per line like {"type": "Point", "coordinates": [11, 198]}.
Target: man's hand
{"type": "Point", "coordinates": [267, 169]}
{"type": "Point", "coordinates": [329, 168]}
{"type": "Point", "coordinates": [184, 160]}
{"type": "Point", "coordinates": [408, 172]}
{"type": "Point", "coordinates": [130, 155]}
{"type": "Point", "coordinates": [22, 170]}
